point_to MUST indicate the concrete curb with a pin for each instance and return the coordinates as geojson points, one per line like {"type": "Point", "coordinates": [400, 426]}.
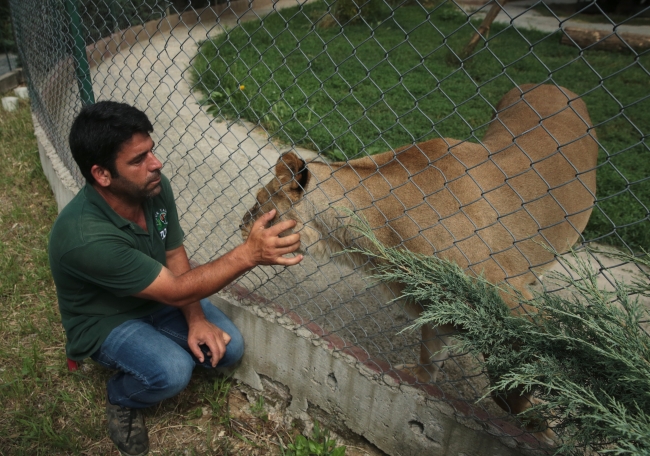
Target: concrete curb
{"type": "Point", "coordinates": [11, 80]}
{"type": "Point", "coordinates": [61, 181]}
{"type": "Point", "coordinates": [520, 15]}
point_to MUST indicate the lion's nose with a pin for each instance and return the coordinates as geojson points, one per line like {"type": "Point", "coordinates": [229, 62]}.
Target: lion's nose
{"type": "Point", "coordinates": [248, 218]}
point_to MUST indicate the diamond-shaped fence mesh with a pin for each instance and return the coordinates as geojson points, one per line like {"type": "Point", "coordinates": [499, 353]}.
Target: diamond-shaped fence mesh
{"type": "Point", "coordinates": [232, 86]}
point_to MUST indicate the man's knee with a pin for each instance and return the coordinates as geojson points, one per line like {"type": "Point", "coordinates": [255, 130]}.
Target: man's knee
{"type": "Point", "coordinates": [234, 349]}
{"type": "Point", "coordinates": [172, 376]}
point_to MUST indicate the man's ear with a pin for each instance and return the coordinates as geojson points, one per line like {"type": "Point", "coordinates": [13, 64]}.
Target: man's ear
{"type": "Point", "coordinates": [102, 175]}
{"type": "Point", "coordinates": [292, 171]}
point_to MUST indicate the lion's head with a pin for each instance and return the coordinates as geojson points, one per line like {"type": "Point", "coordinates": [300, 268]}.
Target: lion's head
{"type": "Point", "coordinates": [281, 193]}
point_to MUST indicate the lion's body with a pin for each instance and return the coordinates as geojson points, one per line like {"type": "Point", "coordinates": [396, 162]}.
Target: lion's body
{"type": "Point", "coordinates": [490, 207]}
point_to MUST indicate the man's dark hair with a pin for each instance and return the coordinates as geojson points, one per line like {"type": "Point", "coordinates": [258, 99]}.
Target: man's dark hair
{"type": "Point", "coordinates": [100, 130]}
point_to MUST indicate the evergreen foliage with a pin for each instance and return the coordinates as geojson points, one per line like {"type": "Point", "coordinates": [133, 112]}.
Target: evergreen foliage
{"type": "Point", "coordinates": [584, 354]}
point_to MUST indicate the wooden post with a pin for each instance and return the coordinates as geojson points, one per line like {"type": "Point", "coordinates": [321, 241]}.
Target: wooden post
{"type": "Point", "coordinates": [605, 40]}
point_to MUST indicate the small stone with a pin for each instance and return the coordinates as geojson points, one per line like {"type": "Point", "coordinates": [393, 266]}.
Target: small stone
{"type": "Point", "coordinates": [10, 103]}
{"type": "Point", "coordinates": [307, 334]}
{"type": "Point", "coordinates": [22, 92]}
{"type": "Point", "coordinates": [390, 381]}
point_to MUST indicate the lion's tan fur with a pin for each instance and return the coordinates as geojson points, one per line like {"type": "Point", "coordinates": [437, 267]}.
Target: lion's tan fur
{"type": "Point", "coordinates": [491, 207]}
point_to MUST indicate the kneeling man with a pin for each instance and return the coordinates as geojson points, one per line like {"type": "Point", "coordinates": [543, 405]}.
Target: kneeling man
{"type": "Point", "coordinates": [127, 296]}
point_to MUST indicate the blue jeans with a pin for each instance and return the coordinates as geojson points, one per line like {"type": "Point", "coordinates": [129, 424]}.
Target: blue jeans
{"type": "Point", "coordinates": [153, 358]}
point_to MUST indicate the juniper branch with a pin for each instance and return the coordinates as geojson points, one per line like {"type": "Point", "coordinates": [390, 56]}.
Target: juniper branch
{"type": "Point", "coordinates": [583, 353]}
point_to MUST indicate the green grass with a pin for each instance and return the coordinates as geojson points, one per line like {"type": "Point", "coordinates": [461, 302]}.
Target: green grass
{"type": "Point", "coordinates": [257, 409]}
{"type": "Point", "coordinates": [363, 90]}
{"type": "Point", "coordinates": [319, 444]}
{"type": "Point", "coordinates": [46, 410]}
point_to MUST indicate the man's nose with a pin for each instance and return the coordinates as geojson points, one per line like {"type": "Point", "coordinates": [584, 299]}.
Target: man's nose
{"type": "Point", "coordinates": [154, 163]}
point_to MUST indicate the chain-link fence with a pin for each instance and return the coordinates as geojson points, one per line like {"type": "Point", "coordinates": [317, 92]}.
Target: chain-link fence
{"type": "Point", "coordinates": [233, 85]}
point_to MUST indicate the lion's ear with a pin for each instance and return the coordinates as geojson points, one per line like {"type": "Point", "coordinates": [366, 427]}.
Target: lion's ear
{"type": "Point", "coordinates": [292, 171]}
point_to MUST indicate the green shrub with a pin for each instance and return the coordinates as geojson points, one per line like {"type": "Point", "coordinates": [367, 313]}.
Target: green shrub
{"type": "Point", "coordinates": [585, 354]}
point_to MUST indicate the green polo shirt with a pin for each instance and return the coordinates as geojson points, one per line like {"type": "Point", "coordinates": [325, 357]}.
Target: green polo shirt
{"type": "Point", "coordinates": [99, 260]}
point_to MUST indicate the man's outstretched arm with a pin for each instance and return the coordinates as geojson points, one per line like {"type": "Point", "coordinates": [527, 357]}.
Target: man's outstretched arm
{"type": "Point", "coordinates": [264, 246]}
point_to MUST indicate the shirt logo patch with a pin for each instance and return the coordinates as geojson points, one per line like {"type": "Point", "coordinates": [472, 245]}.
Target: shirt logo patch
{"type": "Point", "coordinates": [161, 222]}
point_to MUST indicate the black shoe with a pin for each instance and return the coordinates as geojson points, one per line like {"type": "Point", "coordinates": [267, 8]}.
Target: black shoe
{"type": "Point", "coordinates": [127, 430]}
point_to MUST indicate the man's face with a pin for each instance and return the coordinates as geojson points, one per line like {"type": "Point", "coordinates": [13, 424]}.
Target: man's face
{"type": "Point", "coordinates": [138, 170]}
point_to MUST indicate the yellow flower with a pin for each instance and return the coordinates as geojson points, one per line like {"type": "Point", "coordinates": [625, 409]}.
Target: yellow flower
{"type": "Point", "coordinates": [242, 87]}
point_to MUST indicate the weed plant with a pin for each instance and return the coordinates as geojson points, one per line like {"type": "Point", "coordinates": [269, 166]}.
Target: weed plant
{"type": "Point", "coordinates": [258, 409]}
{"type": "Point", "coordinates": [319, 444]}
{"type": "Point", "coordinates": [376, 84]}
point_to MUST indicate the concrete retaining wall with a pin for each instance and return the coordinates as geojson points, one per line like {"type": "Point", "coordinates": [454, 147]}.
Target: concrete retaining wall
{"type": "Point", "coordinates": [11, 80]}
{"type": "Point", "coordinates": [354, 397]}
{"type": "Point", "coordinates": [61, 181]}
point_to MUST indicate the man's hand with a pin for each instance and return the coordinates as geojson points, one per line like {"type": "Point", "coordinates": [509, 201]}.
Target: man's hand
{"type": "Point", "coordinates": [202, 332]}
{"type": "Point", "coordinates": [264, 246]}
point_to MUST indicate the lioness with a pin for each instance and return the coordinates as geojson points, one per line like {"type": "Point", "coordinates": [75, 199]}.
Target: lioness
{"type": "Point", "coordinates": [490, 207]}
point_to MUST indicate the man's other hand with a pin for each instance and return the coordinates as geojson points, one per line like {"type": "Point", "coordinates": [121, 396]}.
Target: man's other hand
{"type": "Point", "coordinates": [202, 332]}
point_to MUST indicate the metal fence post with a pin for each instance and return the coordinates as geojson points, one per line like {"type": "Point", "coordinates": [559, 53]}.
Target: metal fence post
{"type": "Point", "coordinates": [79, 53]}
{"type": "Point", "coordinates": [115, 14]}
{"type": "Point", "coordinates": [6, 51]}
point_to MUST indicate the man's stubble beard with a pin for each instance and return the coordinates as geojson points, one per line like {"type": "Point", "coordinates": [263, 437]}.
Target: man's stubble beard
{"type": "Point", "coordinates": [134, 193]}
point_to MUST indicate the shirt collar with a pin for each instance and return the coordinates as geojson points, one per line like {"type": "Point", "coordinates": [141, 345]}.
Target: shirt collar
{"type": "Point", "coordinates": [97, 200]}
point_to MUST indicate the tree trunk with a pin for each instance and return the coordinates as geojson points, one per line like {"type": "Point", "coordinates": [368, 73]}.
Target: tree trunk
{"type": "Point", "coordinates": [484, 28]}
